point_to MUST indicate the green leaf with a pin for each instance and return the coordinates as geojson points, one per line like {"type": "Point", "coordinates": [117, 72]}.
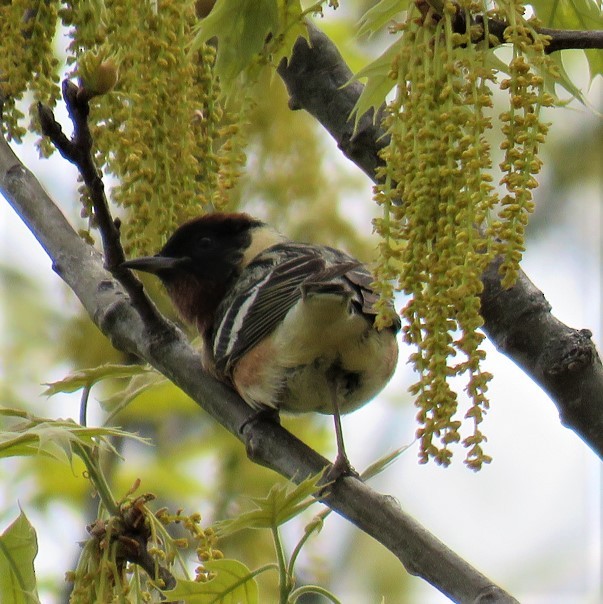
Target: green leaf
{"type": "Point", "coordinates": [233, 583]}
{"type": "Point", "coordinates": [138, 385]}
{"type": "Point", "coordinates": [18, 549]}
{"type": "Point", "coordinates": [569, 14]}
{"type": "Point", "coordinates": [383, 463]}
{"type": "Point", "coordinates": [595, 62]}
{"type": "Point", "coordinates": [291, 27]}
{"type": "Point", "coordinates": [282, 503]}
{"type": "Point", "coordinates": [85, 378]}
{"type": "Point", "coordinates": [53, 438]}
{"type": "Point", "coordinates": [550, 82]}
{"type": "Point", "coordinates": [574, 14]}
{"type": "Point", "coordinates": [563, 80]}
{"type": "Point", "coordinates": [241, 27]}
{"type": "Point", "coordinates": [379, 15]}
{"type": "Point", "coordinates": [378, 82]}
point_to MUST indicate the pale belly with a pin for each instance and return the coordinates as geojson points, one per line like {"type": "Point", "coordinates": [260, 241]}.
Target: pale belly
{"type": "Point", "coordinates": [299, 380]}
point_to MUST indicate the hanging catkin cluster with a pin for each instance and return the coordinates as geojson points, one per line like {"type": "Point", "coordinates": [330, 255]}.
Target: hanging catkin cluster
{"type": "Point", "coordinates": [161, 129]}
{"type": "Point", "coordinates": [438, 200]}
{"type": "Point", "coordinates": [27, 61]}
{"type": "Point", "coordinates": [162, 132]}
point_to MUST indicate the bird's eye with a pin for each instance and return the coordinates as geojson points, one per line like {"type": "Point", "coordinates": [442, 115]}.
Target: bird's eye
{"type": "Point", "coordinates": [205, 242]}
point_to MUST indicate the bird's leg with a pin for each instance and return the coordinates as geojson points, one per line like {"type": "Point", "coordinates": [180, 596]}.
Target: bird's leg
{"type": "Point", "coordinates": [341, 466]}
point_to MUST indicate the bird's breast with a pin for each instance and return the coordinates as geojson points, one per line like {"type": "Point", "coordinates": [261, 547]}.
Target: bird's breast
{"type": "Point", "coordinates": [321, 349]}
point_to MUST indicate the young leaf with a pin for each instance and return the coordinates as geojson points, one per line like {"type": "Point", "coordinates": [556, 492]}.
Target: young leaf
{"type": "Point", "coordinates": [85, 378]}
{"type": "Point", "coordinates": [569, 14]}
{"type": "Point", "coordinates": [378, 82]}
{"type": "Point", "coordinates": [563, 80]}
{"type": "Point", "coordinates": [384, 462]}
{"type": "Point", "coordinates": [282, 503]}
{"type": "Point", "coordinates": [52, 438]}
{"type": "Point", "coordinates": [18, 549]}
{"type": "Point", "coordinates": [291, 27]}
{"type": "Point", "coordinates": [136, 386]}
{"type": "Point", "coordinates": [574, 14]}
{"type": "Point", "coordinates": [233, 582]}
{"type": "Point", "coordinates": [241, 27]}
{"type": "Point", "coordinates": [379, 15]}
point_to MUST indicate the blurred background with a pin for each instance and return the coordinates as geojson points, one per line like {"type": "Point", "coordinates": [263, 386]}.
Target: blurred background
{"type": "Point", "coordinates": [531, 520]}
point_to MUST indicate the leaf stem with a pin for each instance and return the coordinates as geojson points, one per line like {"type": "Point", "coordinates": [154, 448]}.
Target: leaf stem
{"type": "Point", "coordinates": [312, 527]}
{"type": "Point", "coordinates": [284, 578]}
{"type": "Point", "coordinates": [313, 589]}
{"type": "Point", "coordinates": [98, 479]}
{"type": "Point", "coordinates": [84, 404]}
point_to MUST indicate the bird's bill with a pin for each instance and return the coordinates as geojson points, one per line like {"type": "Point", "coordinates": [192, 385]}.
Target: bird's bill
{"type": "Point", "coordinates": [153, 264]}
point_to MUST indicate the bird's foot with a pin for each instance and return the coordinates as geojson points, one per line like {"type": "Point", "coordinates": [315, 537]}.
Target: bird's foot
{"type": "Point", "coordinates": [341, 467]}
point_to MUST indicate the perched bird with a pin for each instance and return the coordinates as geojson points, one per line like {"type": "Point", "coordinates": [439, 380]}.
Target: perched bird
{"type": "Point", "coordinates": [290, 325]}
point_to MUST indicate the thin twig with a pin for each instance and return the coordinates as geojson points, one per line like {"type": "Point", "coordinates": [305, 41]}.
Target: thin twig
{"type": "Point", "coordinates": [79, 151]}
{"type": "Point", "coordinates": [558, 39]}
{"type": "Point", "coordinates": [84, 404]}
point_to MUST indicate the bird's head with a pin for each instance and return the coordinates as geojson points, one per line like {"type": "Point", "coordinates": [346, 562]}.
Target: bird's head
{"type": "Point", "coordinates": [203, 257]}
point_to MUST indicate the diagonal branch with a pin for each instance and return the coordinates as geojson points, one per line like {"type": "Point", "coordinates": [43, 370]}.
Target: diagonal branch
{"type": "Point", "coordinates": [561, 360]}
{"type": "Point", "coordinates": [269, 444]}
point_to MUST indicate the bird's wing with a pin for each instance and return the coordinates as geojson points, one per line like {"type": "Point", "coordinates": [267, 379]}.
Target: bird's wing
{"type": "Point", "coordinates": [268, 288]}
{"type": "Point", "coordinates": [363, 280]}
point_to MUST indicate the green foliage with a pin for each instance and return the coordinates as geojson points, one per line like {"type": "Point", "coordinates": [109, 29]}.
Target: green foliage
{"type": "Point", "coordinates": [379, 82]}
{"type": "Point", "coordinates": [18, 549]}
{"type": "Point", "coordinates": [141, 383]}
{"type": "Point", "coordinates": [131, 532]}
{"type": "Point", "coordinates": [160, 120]}
{"type": "Point", "coordinates": [51, 437]}
{"type": "Point", "coordinates": [380, 15]}
{"type": "Point", "coordinates": [86, 378]}
{"type": "Point", "coordinates": [177, 148]}
{"type": "Point", "coordinates": [27, 61]}
{"type": "Point", "coordinates": [25, 347]}
{"type": "Point", "coordinates": [307, 200]}
{"type": "Point", "coordinates": [282, 503]}
{"type": "Point", "coordinates": [99, 573]}
{"type": "Point", "coordinates": [231, 581]}
{"type": "Point", "coordinates": [564, 14]}
{"type": "Point", "coordinates": [241, 27]}
{"type": "Point", "coordinates": [574, 14]}
{"type": "Point", "coordinates": [382, 463]}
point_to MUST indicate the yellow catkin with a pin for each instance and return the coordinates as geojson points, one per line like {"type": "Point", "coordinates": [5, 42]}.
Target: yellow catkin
{"type": "Point", "coordinates": [162, 131]}
{"type": "Point", "coordinates": [437, 199]}
{"type": "Point", "coordinates": [27, 61]}
{"type": "Point", "coordinates": [523, 134]}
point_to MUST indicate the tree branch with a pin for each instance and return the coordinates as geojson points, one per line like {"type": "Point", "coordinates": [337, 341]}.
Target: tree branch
{"type": "Point", "coordinates": [79, 151]}
{"type": "Point", "coordinates": [566, 39]}
{"type": "Point", "coordinates": [107, 303]}
{"type": "Point", "coordinates": [559, 39]}
{"type": "Point", "coordinates": [561, 360]}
